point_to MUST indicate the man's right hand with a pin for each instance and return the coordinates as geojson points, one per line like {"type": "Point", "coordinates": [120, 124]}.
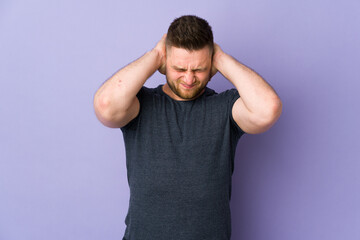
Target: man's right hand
{"type": "Point", "coordinates": [161, 49]}
{"type": "Point", "coordinates": [115, 102]}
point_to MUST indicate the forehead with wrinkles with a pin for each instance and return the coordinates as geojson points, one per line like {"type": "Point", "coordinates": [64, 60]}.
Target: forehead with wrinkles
{"type": "Point", "coordinates": [183, 59]}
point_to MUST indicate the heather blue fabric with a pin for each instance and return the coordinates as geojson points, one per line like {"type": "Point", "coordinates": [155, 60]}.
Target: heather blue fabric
{"type": "Point", "coordinates": [180, 158]}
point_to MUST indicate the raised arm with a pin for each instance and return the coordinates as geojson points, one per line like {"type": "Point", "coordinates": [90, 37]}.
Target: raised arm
{"type": "Point", "coordinates": [115, 102]}
{"type": "Point", "coordinates": [258, 107]}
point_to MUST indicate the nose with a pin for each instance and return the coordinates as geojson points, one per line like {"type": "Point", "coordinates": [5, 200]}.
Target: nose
{"type": "Point", "coordinates": [189, 78]}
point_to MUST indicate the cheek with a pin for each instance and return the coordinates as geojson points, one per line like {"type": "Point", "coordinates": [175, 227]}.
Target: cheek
{"type": "Point", "coordinates": [203, 76]}
{"type": "Point", "coordinates": [173, 75]}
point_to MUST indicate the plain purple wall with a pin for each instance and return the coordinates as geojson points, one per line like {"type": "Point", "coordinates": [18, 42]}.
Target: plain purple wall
{"type": "Point", "coordinates": [63, 174]}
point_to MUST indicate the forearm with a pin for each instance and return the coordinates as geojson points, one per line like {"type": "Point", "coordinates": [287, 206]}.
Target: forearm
{"type": "Point", "coordinates": [119, 92]}
{"type": "Point", "coordinates": [257, 95]}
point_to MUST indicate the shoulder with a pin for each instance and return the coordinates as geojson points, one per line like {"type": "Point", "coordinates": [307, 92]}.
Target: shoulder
{"type": "Point", "coordinates": [145, 98]}
{"type": "Point", "coordinates": [228, 96]}
{"type": "Point", "coordinates": [224, 102]}
{"type": "Point", "coordinates": [230, 93]}
{"type": "Point", "coordinates": [146, 92]}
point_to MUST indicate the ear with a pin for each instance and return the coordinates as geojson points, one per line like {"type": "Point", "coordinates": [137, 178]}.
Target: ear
{"type": "Point", "coordinates": [162, 69]}
{"type": "Point", "coordinates": [213, 70]}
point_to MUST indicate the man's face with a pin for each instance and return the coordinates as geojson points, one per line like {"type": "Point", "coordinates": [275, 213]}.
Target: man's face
{"type": "Point", "coordinates": [187, 72]}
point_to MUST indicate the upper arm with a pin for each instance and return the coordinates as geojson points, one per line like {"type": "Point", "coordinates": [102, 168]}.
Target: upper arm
{"type": "Point", "coordinates": [253, 123]}
{"type": "Point", "coordinates": [118, 119]}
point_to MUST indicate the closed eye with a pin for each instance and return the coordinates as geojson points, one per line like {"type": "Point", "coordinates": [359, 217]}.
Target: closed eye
{"type": "Point", "coordinates": [194, 70]}
{"type": "Point", "coordinates": [179, 69]}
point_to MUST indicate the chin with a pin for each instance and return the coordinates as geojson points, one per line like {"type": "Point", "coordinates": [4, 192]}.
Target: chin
{"type": "Point", "coordinates": [189, 95]}
{"type": "Point", "coordinates": [186, 94]}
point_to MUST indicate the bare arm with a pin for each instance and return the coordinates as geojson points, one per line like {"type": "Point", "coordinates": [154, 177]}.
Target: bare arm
{"type": "Point", "coordinates": [258, 107]}
{"type": "Point", "coordinates": [115, 102]}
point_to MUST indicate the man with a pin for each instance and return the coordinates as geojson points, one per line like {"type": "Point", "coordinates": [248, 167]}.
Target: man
{"type": "Point", "coordinates": [180, 137]}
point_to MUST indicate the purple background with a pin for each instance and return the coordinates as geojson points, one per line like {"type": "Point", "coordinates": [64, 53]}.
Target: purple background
{"type": "Point", "coordinates": [62, 173]}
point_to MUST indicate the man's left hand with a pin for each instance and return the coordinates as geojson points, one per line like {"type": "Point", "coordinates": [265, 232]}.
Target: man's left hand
{"type": "Point", "coordinates": [215, 59]}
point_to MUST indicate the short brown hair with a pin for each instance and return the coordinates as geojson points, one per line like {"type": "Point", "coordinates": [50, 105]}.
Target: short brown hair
{"type": "Point", "coordinates": [191, 33]}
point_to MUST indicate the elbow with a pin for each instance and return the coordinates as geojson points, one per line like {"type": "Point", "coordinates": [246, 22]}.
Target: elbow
{"type": "Point", "coordinates": [112, 115]}
{"type": "Point", "coordinates": [101, 105]}
{"type": "Point", "coordinates": [273, 112]}
{"type": "Point", "coordinates": [268, 117]}
{"type": "Point", "coordinates": [103, 110]}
